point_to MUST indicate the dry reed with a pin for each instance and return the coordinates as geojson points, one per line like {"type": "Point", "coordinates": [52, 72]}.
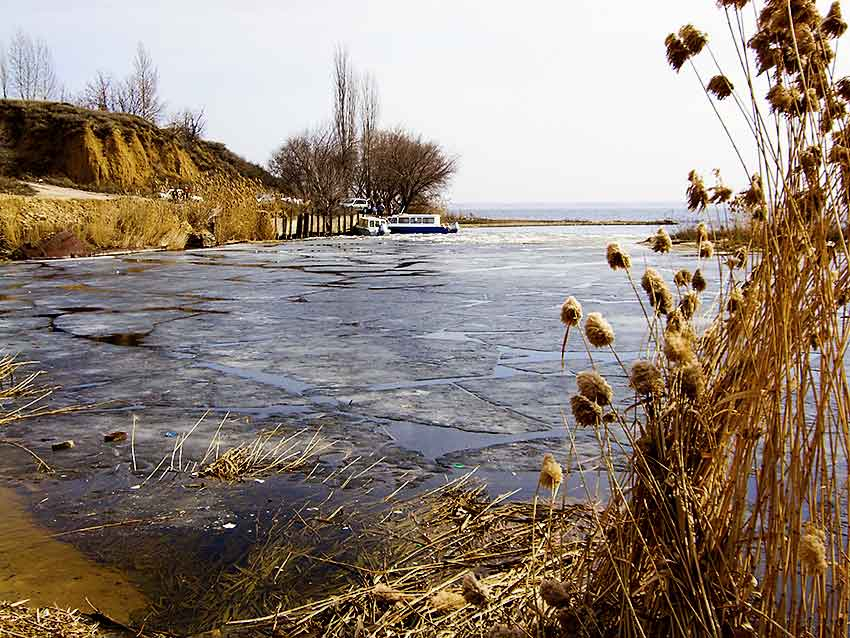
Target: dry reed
{"type": "Point", "coordinates": [268, 453]}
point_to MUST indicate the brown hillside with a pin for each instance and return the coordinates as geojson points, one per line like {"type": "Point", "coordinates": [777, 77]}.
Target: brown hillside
{"type": "Point", "coordinates": [106, 151]}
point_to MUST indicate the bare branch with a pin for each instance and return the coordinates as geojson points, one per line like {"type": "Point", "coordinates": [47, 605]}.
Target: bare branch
{"type": "Point", "coordinates": [4, 73]}
{"type": "Point", "coordinates": [191, 125]}
{"type": "Point", "coordinates": [313, 166]}
{"type": "Point", "coordinates": [369, 113]}
{"type": "Point", "coordinates": [99, 93]}
{"type": "Point", "coordinates": [138, 94]}
{"type": "Point", "coordinates": [30, 68]}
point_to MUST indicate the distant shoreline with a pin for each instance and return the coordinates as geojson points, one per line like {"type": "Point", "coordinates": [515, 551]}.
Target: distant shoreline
{"type": "Point", "coordinates": [483, 222]}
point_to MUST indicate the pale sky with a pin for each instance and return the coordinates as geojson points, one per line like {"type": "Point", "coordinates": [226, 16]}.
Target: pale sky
{"type": "Point", "coordinates": [555, 101]}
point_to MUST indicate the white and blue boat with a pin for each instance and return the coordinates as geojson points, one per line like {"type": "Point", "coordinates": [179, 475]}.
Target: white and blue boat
{"type": "Point", "coordinates": [367, 225]}
{"type": "Point", "coordinates": [412, 223]}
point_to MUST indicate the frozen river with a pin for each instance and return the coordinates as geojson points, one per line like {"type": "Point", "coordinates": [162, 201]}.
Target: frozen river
{"type": "Point", "coordinates": [422, 357]}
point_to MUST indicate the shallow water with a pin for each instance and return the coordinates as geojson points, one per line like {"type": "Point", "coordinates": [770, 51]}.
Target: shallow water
{"type": "Point", "coordinates": [423, 356]}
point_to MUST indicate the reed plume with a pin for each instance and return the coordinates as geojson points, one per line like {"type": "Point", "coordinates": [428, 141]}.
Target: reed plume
{"type": "Point", "coordinates": [699, 283]}
{"type": "Point", "coordinates": [735, 301]}
{"type": "Point", "coordinates": [702, 232]}
{"type": "Point", "coordinates": [447, 601]}
{"type": "Point", "coordinates": [782, 99]}
{"type": "Point", "coordinates": [697, 195]}
{"type": "Point", "coordinates": [645, 378]}
{"type": "Point", "coordinates": [677, 52]}
{"type": "Point", "coordinates": [593, 385]}
{"type": "Point", "coordinates": [812, 550]}
{"type": "Point", "coordinates": [660, 297]}
{"type": "Point", "coordinates": [693, 39]}
{"type": "Point", "coordinates": [706, 249]}
{"type": "Point", "coordinates": [474, 591]}
{"type": "Point", "coordinates": [599, 332]}
{"type": "Point", "coordinates": [833, 25]}
{"type": "Point", "coordinates": [551, 473]}
{"type": "Point", "coordinates": [689, 305]}
{"type": "Point", "coordinates": [586, 412]}
{"type": "Point", "coordinates": [692, 380]}
{"type": "Point", "coordinates": [720, 87]}
{"type": "Point", "coordinates": [677, 348]}
{"type": "Point", "coordinates": [682, 278]}
{"type": "Point", "coordinates": [661, 242]}
{"type": "Point", "coordinates": [571, 313]}
{"type": "Point", "coordinates": [617, 257]}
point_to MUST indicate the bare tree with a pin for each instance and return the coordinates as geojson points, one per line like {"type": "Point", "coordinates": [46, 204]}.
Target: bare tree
{"type": "Point", "coordinates": [345, 106]}
{"type": "Point", "coordinates": [139, 93]}
{"type": "Point", "coordinates": [313, 166]}
{"type": "Point", "coordinates": [99, 93]}
{"type": "Point", "coordinates": [30, 68]}
{"type": "Point", "coordinates": [191, 125]}
{"type": "Point", "coordinates": [369, 113]}
{"type": "Point", "coordinates": [406, 169]}
{"type": "Point", "coordinates": [4, 73]}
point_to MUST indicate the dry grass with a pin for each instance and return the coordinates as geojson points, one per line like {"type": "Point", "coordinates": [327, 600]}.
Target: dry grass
{"type": "Point", "coordinates": [23, 397]}
{"type": "Point", "coordinates": [19, 621]}
{"type": "Point", "coordinates": [229, 211]}
{"type": "Point", "coordinates": [724, 238]}
{"type": "Point", "coordinates": [449, 562]}
{"type": "Point", "coordinates": [122, 223]}
{"type": "Point", "coordinates": [268, 453]}
{"type": "Point", "coordinates": [446, 535]}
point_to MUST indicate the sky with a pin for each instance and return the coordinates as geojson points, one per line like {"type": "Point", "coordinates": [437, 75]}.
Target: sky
{"type": "Point", "coordinates": [541, 101]}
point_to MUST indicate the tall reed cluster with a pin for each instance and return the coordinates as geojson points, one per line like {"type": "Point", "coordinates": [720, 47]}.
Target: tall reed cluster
{"type": "Point", "coordinates": [733, 517]}
{"type": "Point", "coordinates": [227, 210]}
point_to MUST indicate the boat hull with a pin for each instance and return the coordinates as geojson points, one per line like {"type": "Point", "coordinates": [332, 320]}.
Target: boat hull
{"type": "Point", "coordinates": [399, 229]}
